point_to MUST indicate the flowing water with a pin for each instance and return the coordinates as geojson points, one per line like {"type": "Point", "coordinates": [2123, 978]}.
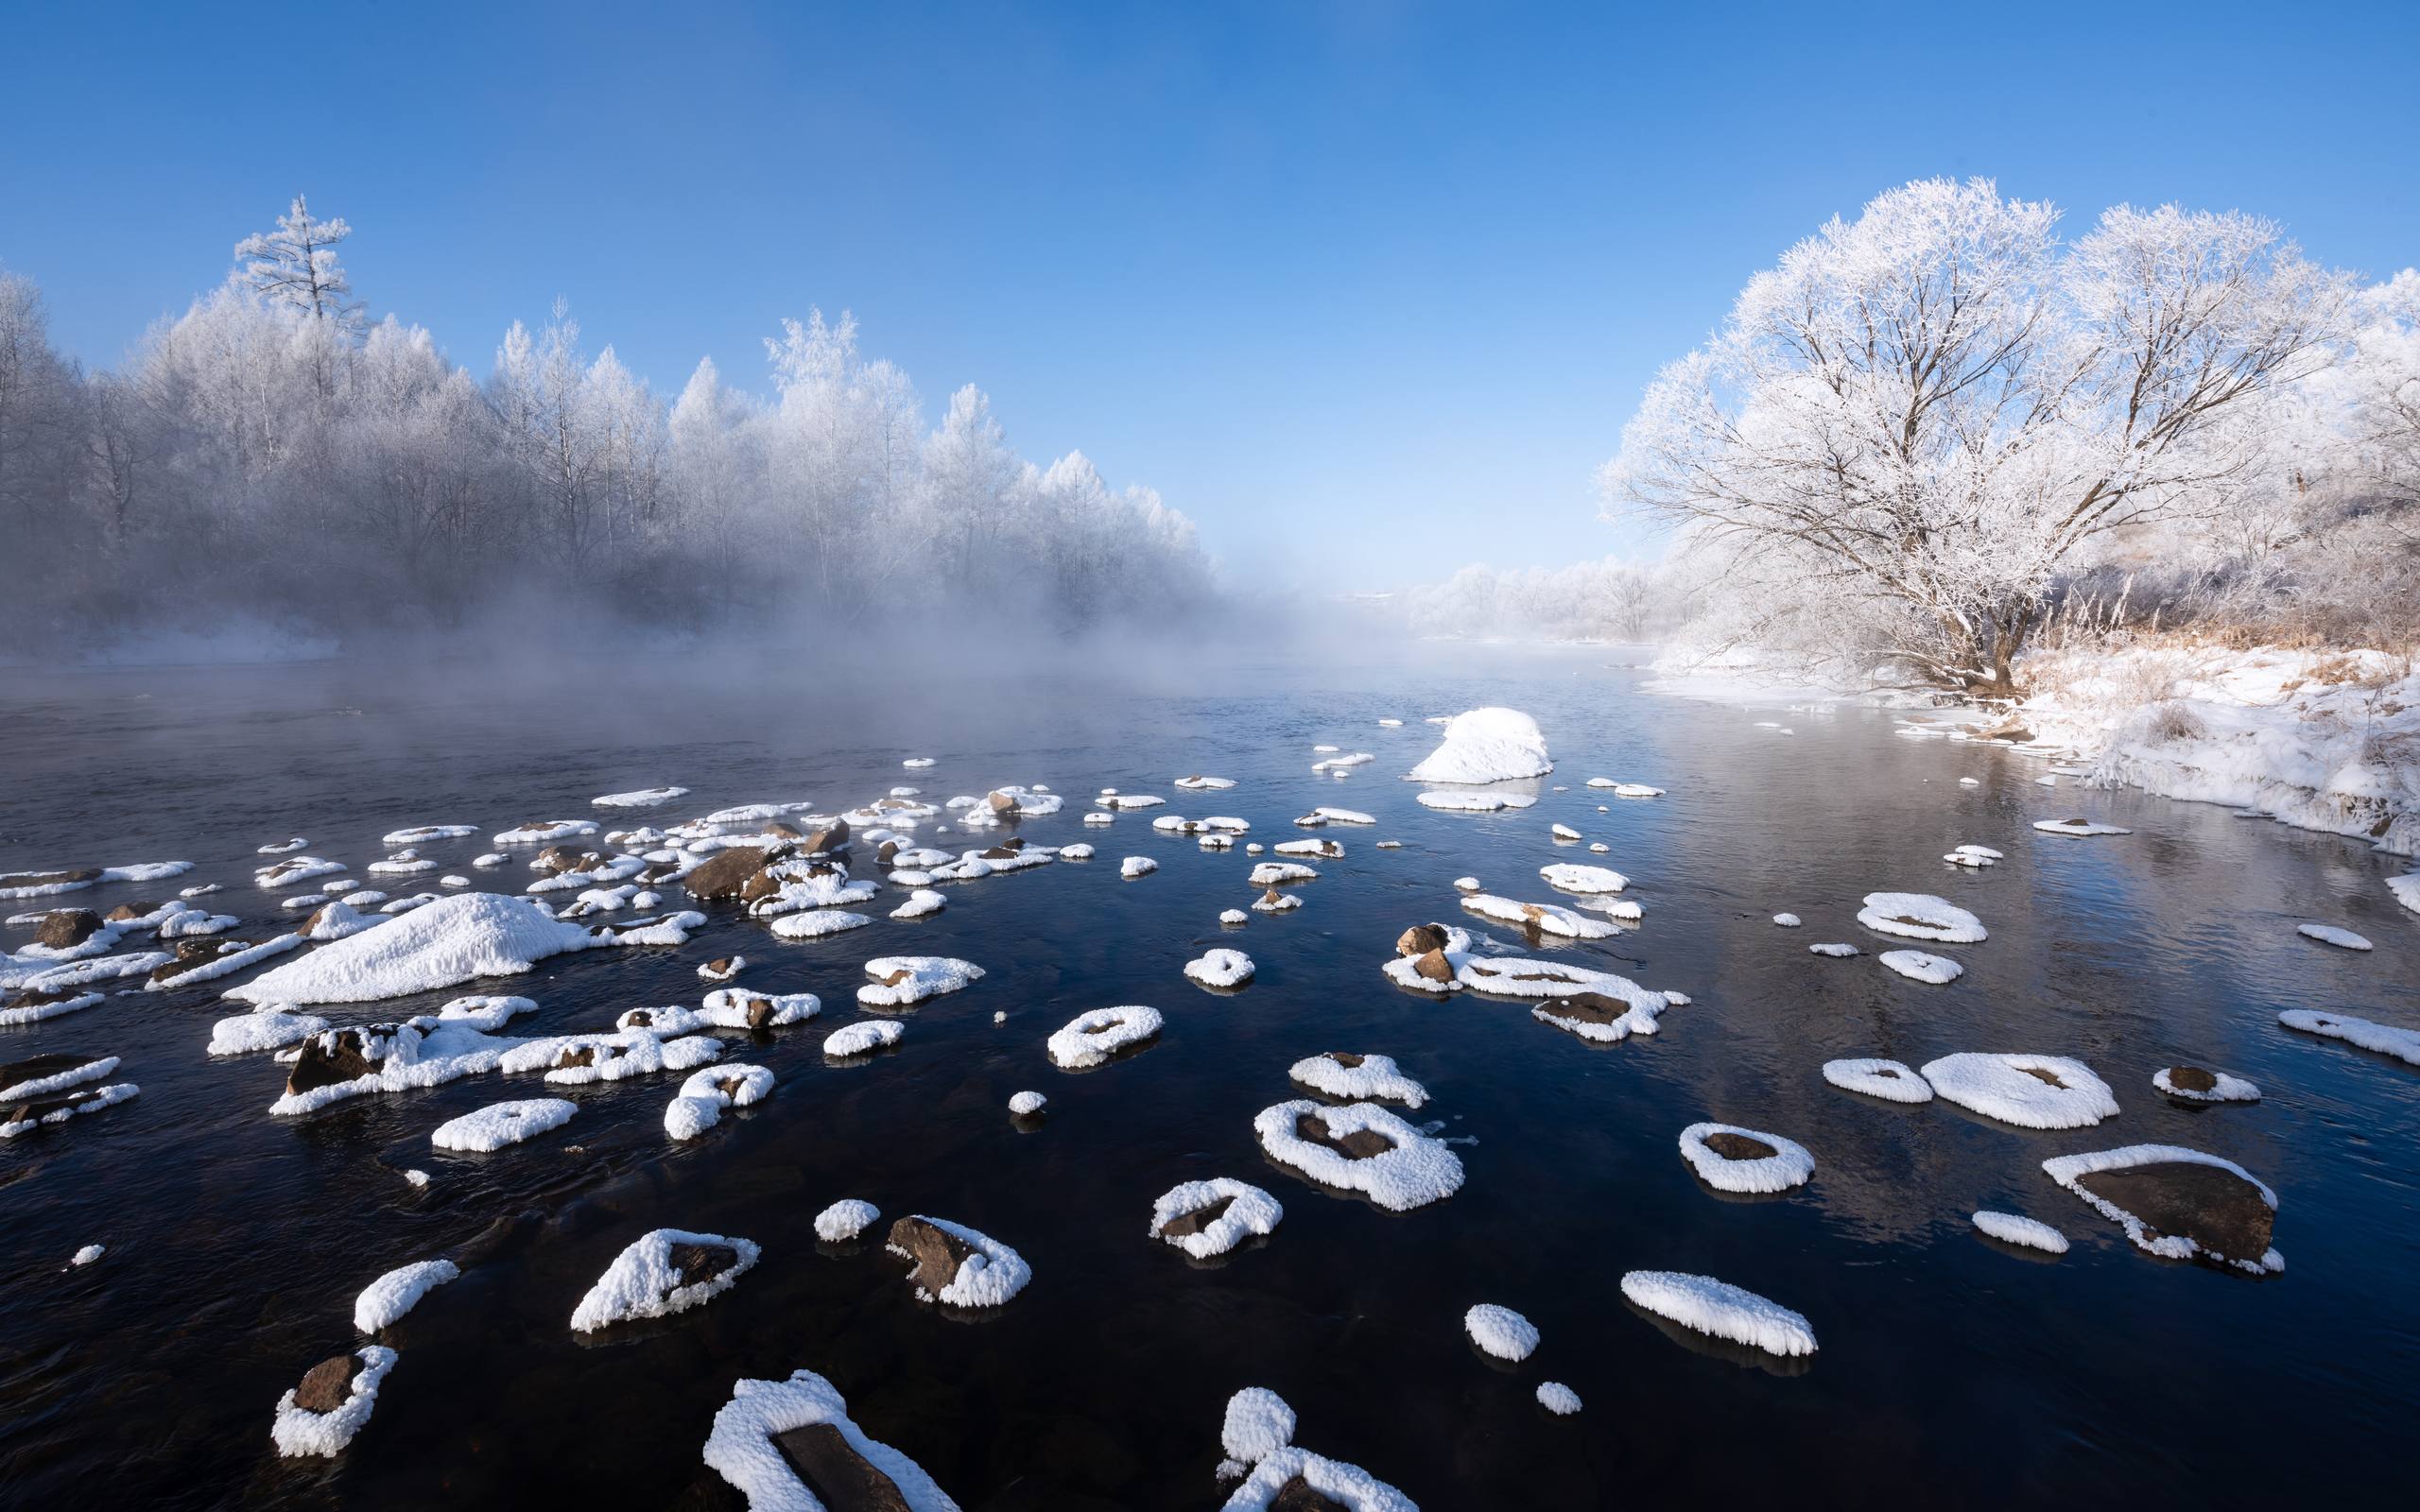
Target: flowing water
{"type": "Point", "coordinates": [1950, 1366]}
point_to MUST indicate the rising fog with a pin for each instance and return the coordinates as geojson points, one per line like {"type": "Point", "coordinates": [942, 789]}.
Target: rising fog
{"type": "Point", "coordinates": [274, 474]}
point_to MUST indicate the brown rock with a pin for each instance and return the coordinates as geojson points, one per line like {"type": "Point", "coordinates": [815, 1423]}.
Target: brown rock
{"type": "Point", "coordinates": [722, 968]}
{"type": "Point", "coordinates": [1434, 967]}
{"type": "Point", "coordinates": [338, 1055]}
{"type": "Point", "coordinates": [2215, 1207]}
{"type": "Point", "coordinates": [66, 928]}
{"type": "Point", "coordinates": [2191, 1078]}
{"type": "Point", "coordinates": [1345, 1058]}
{"type": "Point", "coordinates": [693, 1264]}
{"type": "Point", "coordinates": [1187, 1225]}
{"type": "Point", "coordinates": [34, 1068]}
{"type": "Point", "coordinates": [839, 1476]}
{"type": "Point", "coordinates": [786, 830]}
{"type": "Point", "coordinates": [1297, 1496]}
{"type": "Point", "coordinates": [831, 837]}
{"type": "Point", "coordinates": [725, 872]}
{"type": "Point", "coordinates": [1738, 1147]}
{"type": "Point", "coordinates": [885, 852]}
{"type": "Point", "coordinates": [194, 953]}
{"type": "Point", "coordinates": [557, 859]}
{"type": "Point", "coordinates": [326, 1385]}
{"type": "Point", "coordinates": [128, 913]}
{"type": "Point", "coordinates": [51, 879]}
{"type": "Point", "coordinates": [577, 1055]}
{"type": "Point", "coordinates": [1001, 804]}
{"type": "Point", "coordinates": [1358, 1145]}
{"type": "Point", "coordinates": [760, 1011]}
{"type": "Point", "coordinates": [1590, 1007]}
{"type": "Point", "coordinates": [1419, 939]}
{"type": "Point", "coordinates": [935, 1251]}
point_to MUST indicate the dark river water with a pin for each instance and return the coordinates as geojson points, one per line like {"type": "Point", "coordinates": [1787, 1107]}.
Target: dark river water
{"type": "Point", "coordinates": [1952, 1370]}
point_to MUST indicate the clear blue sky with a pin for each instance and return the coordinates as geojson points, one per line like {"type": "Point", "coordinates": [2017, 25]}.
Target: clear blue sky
{"type": "Point", "coordinates": [1368, 290]}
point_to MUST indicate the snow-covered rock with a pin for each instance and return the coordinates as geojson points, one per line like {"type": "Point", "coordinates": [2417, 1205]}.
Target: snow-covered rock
{"type": "Point", "coordinates": [1720, 1310]}
{"type": "Point", "coordinates": [1492, 745]}
{"type": "Point", "coordinates": [1500, 1331]}
{"type": "Point", "coordinates": [663, 1272]}
{"type": "Point", "coordinates": [956, 1264]}
{"type": "Point", "coordinates": [499, 1125]}
{"type": "Point", "coordinates": [773, 1435]}
{"type": "Point", "coordinates": [1731, 1158]}
{"type": "Point", "coordinates": [1360, 1147]}
{"type": "Point", "coordinates": [1209, 1218]}
{"type": "Point", "coordinates": [2029, 1091]}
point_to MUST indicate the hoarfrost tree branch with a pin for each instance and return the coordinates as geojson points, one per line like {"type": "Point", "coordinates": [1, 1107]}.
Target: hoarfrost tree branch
{"type": "Point", "coordinates": [1917, 421]}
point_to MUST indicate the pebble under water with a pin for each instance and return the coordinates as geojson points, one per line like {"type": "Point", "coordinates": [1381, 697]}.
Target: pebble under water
{"type": "Point", "coordinates": [1985, 1373]}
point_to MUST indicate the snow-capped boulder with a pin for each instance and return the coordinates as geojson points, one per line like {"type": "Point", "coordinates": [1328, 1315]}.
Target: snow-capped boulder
{"type": "Point", "coordinates": [1490, 745]}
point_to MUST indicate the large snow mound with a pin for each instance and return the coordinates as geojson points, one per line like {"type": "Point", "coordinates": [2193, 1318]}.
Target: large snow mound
{"type": "Point", "coordinates": [1720, 1310]}
{"type": "Point", "coordinates": [454, 939]}
{"type": "Point", "coordinates": [1486, 745]}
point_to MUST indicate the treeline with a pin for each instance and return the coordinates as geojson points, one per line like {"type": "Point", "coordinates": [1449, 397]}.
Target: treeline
{"type": "Point", "coordinates": [273, 455]}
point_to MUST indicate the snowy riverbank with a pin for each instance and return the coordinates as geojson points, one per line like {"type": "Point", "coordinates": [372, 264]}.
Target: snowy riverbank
{"type": "Point", "coordinates": [2324, 740]}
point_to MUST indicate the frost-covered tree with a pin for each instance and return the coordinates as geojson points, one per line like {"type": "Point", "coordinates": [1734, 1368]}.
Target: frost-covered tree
{"type": "Point", "coordinates": [296, 266]}
{"type": "Point", "coordinates": [1909, 429]}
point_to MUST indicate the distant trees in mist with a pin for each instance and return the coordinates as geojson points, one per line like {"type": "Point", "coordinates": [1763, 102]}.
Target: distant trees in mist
{"type": "Point", "coordinates": [273, 452]}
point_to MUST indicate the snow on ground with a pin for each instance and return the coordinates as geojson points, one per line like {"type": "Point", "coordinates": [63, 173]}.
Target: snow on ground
{"type": "Point", "coordinates": [1233, 918]}
{"type": "Point", "coordinates": [817, 922]}
{"type": "Point", "coordinates": [1459, 801]}
{"type": "Point", "coordinates": [1833, 947]}
{"type": "Point", "coordinates": [2195, 1084]}
{"type": "Point", "coordinates": [740, 1008]}
{"type": "Point", "coordinates": [2310, 737]}
{"type": "Point", "coordinates": [2031, 1091]}
{"type": "Point", "coordinates": [546, 832]}
{"type": "Point", "coordinates": [2068, 1170]}
{"type": "Point", "coordinates": [583, 1059]}
{"type": "Point", "coordinates": [1500, 1331]}
{"type": "Point", "coordinates": [499, 1125]}
{"type": "Point", "coordinates": [2404, 1044]}
{"type": "Point", "coordinates": [2332, 934]}
{"type": "Point", "coordinates": [2079, 828]}
{"type": "Point", "coordinates": [1548, 918]}
{"type": "Point", "coordinates": [1570, 876]}
{"type": "Point", "coordinates": [1558, 1399]}
{"type": "Point", "coordinates": [1889, 1079]}
{"type": "Point", "coordinates": [270, 1027]}
{"type": "Point", "coordinates": [645, 1279]}
{"type": "Point", "coordinates": [645, 798]}
{"type": "Point", "coordinates": [1280, 873]}
{"type": "Point", "coordinates": [298, 1431]}
{"type": "Point", "coordinates": [862, 1037]}
{"type": "Point", "coordinates": [423, 834]}
{"type": "Point", "coordinates": [1737, 1166]}
{"type": "Point", "coordinates": [84, 1102]}
{"type": "Point", "coordinates": [1219, 969]}
{"type": "Point", "coordinates": [2406, 890]}
{"type": "Point", "coordinates": [1078, 852]}
{"type": "Point", "coordinates": [900, 981]}
{"type": "Point", "coordinates": [1342, 1073]}
{"type": "Point", "coordinates": [845, 1219]}
{"type": "Point", "coordinates": [398, 1292]}
{"type": "Point", "coordinates": [922, 903]}
{"type": "Point", "coordinates": [1093, 1037]}
{"type": "Point", "coordinates": [742, 1449]}
{"type": "Point", "coordinates": [1491, 745]}
{"type": "Point", "coordinates": [1920, 915]}
{"type": "Point", "coordinates": [2012, 1228]}
{"type": "Point", "coordinates": [706, 1093]}
{"type": "Point", "coordinates": [34, 1087]}
{"type": "Point", "coordinates": [459, 1040]}
{"type": "Point", "coordinates": [1406, 1169]}
{"type": "Point", "coordinates": [453, 939]}
{"type": "Point", "coordinates": [1720, 1310]}
{"type": "Point", "coordinates": [1241, 1210]}
{"type": "Point", "coordinates": [1938, 969]}
{"type": "Point", "coordinates": [1134, 867]}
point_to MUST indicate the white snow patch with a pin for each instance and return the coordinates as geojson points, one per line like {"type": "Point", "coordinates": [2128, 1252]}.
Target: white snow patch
{"type": "Point", "coordinates": [1500, 1331]}
{"type": "Point", "coordinates": [1374, 1077]}
{"type": "Point", "coordinates": [1220, 968]}
{"type": "Point", "coordinates": [1491, 745]}
{"type": "Point", "coordinates": [1893, 1080]}
{"type": "Point", "coordinates": [2404, 1044]}
{"type": "Point", "coordinates": [499, 1125]}
{"type": "Point", "coordinates": [398, 1292]}
{"type": "Point", "coordinates": [1921, 916]}
{"type": "Point", "coordinates": [862, 1037]}
{"type": "Point", "coordinates": [1250, 1211]}
{"type": "Point", "coordinates": [1418, 1168]}
{"type": "Point", "coordinates": [2005, 1087]}
{"type": "Point", "coordinates": [1938, 969]}
{"type": "Point", "coordinates": [1790, 1164]}
{"type": "Point", "coordinates": [643, 1281]}
{"type": "Point", "coordinates": [298, 1432]}
{"type": "Point", "coordinates": [1720, 1310]}
{"type": "Point", "coordinates": [741, 1450]}
{"type": "Point", "coordinates": [2332, 934]}
{"type": "Point", "coordinates": [2013, 1229]}
{"type": "Point", "coordinates": [845, 1220]}
{"type": "Point", "coordinates": [1091, 1038]}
